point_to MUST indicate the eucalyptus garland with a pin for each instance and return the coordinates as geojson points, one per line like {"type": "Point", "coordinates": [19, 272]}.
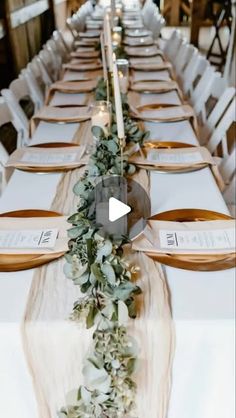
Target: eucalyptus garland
{"type": "Point", "coordinates": [98, 266]}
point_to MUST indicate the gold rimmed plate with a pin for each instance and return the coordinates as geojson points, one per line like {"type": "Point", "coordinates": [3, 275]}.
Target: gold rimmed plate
{"type": "Point", "coordinates": [52, 169]}
{"type": "Point", "coordinates": [196, 262]}
{"type": "Point", "coordinates": [17, 262]}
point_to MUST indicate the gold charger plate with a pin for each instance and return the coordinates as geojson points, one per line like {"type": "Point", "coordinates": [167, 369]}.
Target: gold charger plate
{"type": "Point", "coordinates": [17, 262]}
{"type": "Point", "coordinates": [45, 169]}
{"type": "Point", "coordinates": [194, 262]}
{"type": "Point", "coordinates": [174, 169]}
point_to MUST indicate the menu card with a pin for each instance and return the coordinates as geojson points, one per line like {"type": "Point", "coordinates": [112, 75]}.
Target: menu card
{"type": "Point", "coordinates": [177, 157]}
{"type": "Point", "coordinates": [38, 238]}
{"type": "Point", "coordinates": [208, 237]}
{"type": "Point", "coordinates": [218, 239]}
{"type": "Point", "coordinates": [70, 157]}
{"type": "Point", "coordinates": [44, 159]}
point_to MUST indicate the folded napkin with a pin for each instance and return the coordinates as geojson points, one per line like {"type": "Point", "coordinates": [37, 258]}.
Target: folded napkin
{"type": "Point", "coordinates": [64, 100]}
{"type": "Point", "coordinates": [163, 113]}
{"type": "Point", "coordinates": [34, 225]}
{"type": "Point", "coordinates": [70, 87]}
{"type": "Point", "coordinates": [57, 115]}
{"type": "Point", "coordinates": [136, 33]}
{"type": "Point", "coordinates": [173, 159]}
{"type": "Point", "coordinates": [140, 76]}
{"type": "Point", "coordinates": [205, 238]}
{"type": "Point", "coordinates": [80, 53]}
{"type": "Point", "coordinates": [86, 42]}
{"type": "Point", "coordinates": [90, 34]}
{"type": "Point", "coordinates": [82, 66]}
{"type": "Point", "coordinates": [48, 157]}
{"type": "Point", "coordinates": [155, 86]}
{"type": "Point", "coordinates": [149, 51]}
{"type": "Point", "coordinates": [140, 41]}
{"type": "Point", "coordinates": [157, 60]}
{"type": "Point", "coordinates": [150, 66]}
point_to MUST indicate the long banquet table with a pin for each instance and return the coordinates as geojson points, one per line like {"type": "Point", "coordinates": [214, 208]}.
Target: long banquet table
{"type": "Point", "coordinates": [202, 303]}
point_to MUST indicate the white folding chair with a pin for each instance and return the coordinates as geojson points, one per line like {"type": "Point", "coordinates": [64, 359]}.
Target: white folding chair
{"type": "Point", "coordinates": [172, 45]}
{"type": "Point", "coordinates": [47, 61]}
{"type": "Point", "coordinates": [19, 99]}
{"type": "Point", "coordinates": [193, 73]}
{"type": "Point", "coordinates": [9, 120]}
{"type": "Point", "coordinates": [62, 46]}
{"type": "Point", "coordinates": [36, 93]}
{"type": "Point", "coordinates": [56, 58]}
{"type": "Point", "coordinates": [183, 56]}
{"type": "Point", "coordinates": [219, 146]}
{"type": "Point", "coordinates": [210, 115]}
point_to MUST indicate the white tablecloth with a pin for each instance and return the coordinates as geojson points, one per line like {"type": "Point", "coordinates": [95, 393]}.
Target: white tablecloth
{"type": "Point", "coordinates": [202, 303]}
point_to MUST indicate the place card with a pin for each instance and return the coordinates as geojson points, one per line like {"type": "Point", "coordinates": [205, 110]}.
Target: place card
{"type": "Point", "coordinates": [35, 239]}
{"type": "Point", "coordinates": [219, 239]}
{"type": "Point", "coordinates": [43, 158]}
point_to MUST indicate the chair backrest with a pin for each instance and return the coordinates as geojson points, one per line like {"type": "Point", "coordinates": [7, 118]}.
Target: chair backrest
{"type": "Point", "coordinates": [193, 73]}
{"type": "Point", "coordinates": [56, 58]}
{"type": "Point", "coordinates": [47, 60]}
{"type": "Point", "coordinates": [12, 132]}
{"type": "Point", "coordinates": [202, 91]}
{"type": "Point", "coordinates": [27, 74]}
{"type": "Point", "coordinates": [156, 24]}
{"type": "Point", "coordinates": [62, 47]}
{"type": "Point", "coordinates": [183, 56]}
{"type": "Point", "coordinates": [172, 45]}
{"type": "Point", "coordinates": [219, 139]}
{"type": "Point", "coordinates": [20, 103]}
{"type": "Point", "coordinates": [210, 115]}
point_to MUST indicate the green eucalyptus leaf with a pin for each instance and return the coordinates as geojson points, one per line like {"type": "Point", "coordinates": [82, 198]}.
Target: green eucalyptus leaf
{"type": "Point", "coordinates": [108, 271]}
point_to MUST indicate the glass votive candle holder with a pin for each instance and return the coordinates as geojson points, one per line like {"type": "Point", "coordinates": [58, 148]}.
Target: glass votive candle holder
{"type": "Point", "coordinates": [123, 73]}
{"type": "Point", "coordinates": [101, 112]}
{"type": "Point", "coordinates": [117, 34]}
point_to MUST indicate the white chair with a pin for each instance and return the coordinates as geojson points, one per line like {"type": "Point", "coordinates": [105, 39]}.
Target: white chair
{"type": "Point", "coordinates": [210, 115]}
{"type": "Point", "coordinates": [172, 45]}
{"type": "Point", "coordinates": [62, 46]}
{"type": "Point", "coordinates": [193, 73]}
{"type": "Point", "coordinates": [47, 61]}
{"type": "Point", "coordinates": [27, 74]}
{"type": "Point", "coordinates": [183, 56]}
{"type": "Point", "coordinates": [18, 93]}
{"type": "Point", "coordinates": [56, 58]}
{"type": "Point", "coordinates": [15, 138]}
{"type": "Point", "coordinates": [218, 140]}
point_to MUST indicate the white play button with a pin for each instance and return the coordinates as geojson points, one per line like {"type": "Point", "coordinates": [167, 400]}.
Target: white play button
{"type": "Point", "coordinates": [117, 209]}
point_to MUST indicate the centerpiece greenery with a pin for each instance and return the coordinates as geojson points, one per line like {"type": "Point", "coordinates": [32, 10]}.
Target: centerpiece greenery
{"type": "Point", "coordinates": [98, 266]}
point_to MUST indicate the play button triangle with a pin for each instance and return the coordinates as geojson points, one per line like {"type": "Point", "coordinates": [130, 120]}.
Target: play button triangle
{"type": "Point", "coordinates": [117, 209]}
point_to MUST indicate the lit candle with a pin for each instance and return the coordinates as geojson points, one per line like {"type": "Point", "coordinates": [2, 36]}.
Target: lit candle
{"type": "Point", "coordinates": [118, 103]}
{"type": "Point", "coordinates": [101, 115]}
{"type": "Point", "coordinates": [123, 72]}
{"type": "Point", "coordinates": [116, 36]}
{"type": "Point", "coordinates": [104, 62]}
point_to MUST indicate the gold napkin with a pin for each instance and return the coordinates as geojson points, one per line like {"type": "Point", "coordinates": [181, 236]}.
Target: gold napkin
{"type": "Point", "coordinates": [59, 222]}
{"type": "Point", "coordinates": [70, 87]}
{"type": "Point", "coordinates": [205, 238]}
{"type": "Point", "coordinates": [172, 159]}
{"type": "Point", "coordinates": [48, 158]}
{"type": "Point", "coordinates": [149, 51]}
